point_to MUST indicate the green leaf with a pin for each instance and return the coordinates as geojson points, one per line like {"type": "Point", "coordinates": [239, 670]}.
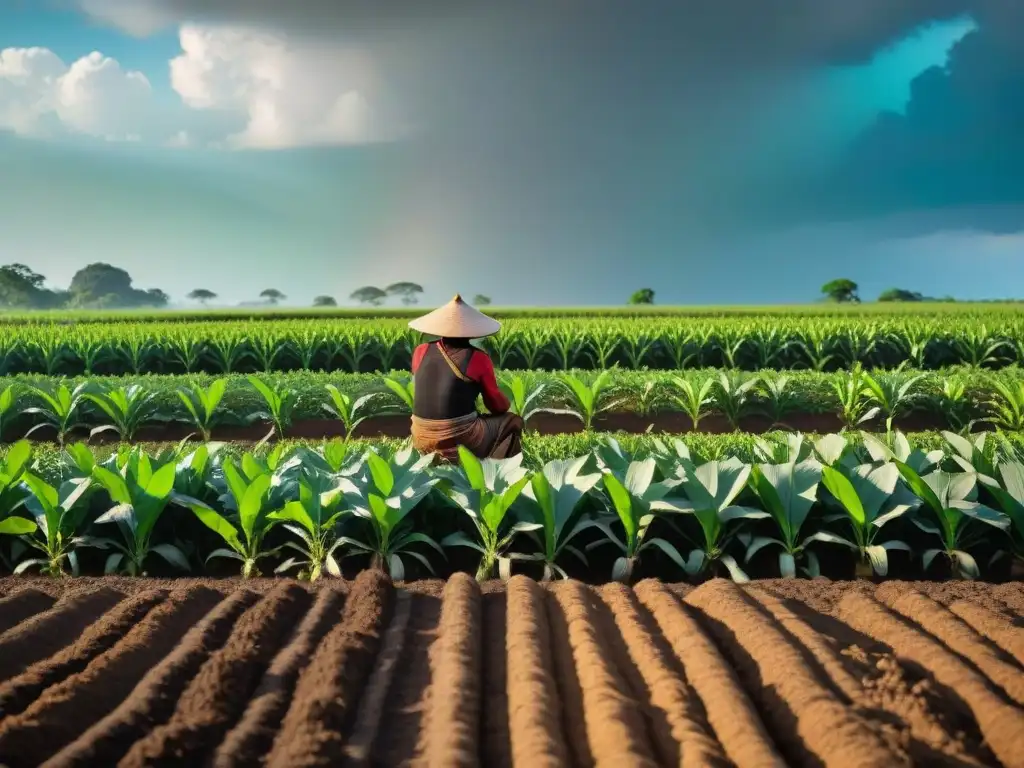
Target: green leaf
{"type": "Point", "coordinates": [17, 526]}
{"type": "Point", "coordinates": [844, 492]}
{"type": "Point", "coordinates": [217, 523]}
{"type": "Point", "coordinates": [252, 504]}
{"type": "Point", "coordinates": [383, 477]}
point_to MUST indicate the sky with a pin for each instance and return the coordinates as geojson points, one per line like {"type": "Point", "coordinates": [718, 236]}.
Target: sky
{"type": "Point", "coordinates": [717, 151]}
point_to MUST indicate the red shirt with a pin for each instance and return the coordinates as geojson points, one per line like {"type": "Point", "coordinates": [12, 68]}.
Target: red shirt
{"type": "Point", "coordinates": [481, 371]}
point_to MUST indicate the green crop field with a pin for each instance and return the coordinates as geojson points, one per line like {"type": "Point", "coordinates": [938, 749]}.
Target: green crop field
{"type": "Point", "coordinates": [679, 442]}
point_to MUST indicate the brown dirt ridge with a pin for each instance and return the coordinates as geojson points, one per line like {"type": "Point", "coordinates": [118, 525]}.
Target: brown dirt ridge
{"type": "Point", "coordinates": [369, 673]}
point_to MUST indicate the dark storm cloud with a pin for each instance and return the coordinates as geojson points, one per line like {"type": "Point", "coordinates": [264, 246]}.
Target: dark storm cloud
{"type": "Point", "coordinates": [622, 114]}
{"type": "Point", "coordinates": [960, 141]}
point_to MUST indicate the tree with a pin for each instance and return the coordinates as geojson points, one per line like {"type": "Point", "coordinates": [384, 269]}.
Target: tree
{"type": "Point", "coordinates": [324, 301]}
{"type": "Point", "coordinates": [841, 290]}
{"type": "Point", "coordinates": [272, 295]}
{"type": "Point", "coordinates": [407, 291]}
{"type": "Point", "coordinates": [202, 295]}
{"type": "Point", "coordinates": [643, 296]}
{"type": "Point", "coordinates": [21, 288]}
{"type": "Point", "coordinates": [481, 301]}
{"type": "Point", "coordinates": [104, 286]}
{"type": "Point", "coordinates": [160, 299]}
{"type": "Point", "coordinates": [369, 295]}
{"type": "Point", "coordinates": [899, 294]}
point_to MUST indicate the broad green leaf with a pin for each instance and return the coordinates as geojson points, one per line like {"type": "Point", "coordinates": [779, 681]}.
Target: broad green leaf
{"type": "Point", "coordinates": [17, 526]}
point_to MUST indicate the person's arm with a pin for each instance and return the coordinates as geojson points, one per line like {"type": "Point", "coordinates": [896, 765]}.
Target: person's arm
{"type": "Point", "coordinates": [481, 370]}
{"type": "Point", "coordinates": [417, 356]}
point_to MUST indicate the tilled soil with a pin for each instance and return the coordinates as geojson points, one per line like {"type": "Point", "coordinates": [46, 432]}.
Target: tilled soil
{"type": "Point", "coordinates": [364, 673]}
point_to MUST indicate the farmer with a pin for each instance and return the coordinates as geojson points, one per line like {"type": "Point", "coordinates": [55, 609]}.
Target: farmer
{"type": "Point", "coordinates": [449, 375]}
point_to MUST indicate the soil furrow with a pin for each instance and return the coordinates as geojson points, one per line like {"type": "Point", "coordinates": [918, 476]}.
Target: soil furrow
{"type": "Point", "coordinates": [249, 741]}
{"type": "Point", "coordinates": [19, 692]}
{"type": "Point", "coordinates": [678, 722]}
{"type": "Point", "coordinates": [993, 626]}
{"type": "Point", "coordinates": [21, 605]}
{"type": "Point", "coordinates": [65, 710]}
{"type": "Point", "coordinates": [811, 721]}
{"type": "Point", "coordinates": [877, 685]}
{"type": "Point", "coordinates": [616, 731]}
{"type": "Point", "coordinates": [316, 726]}
{"type": "Point", "coordinates": [570, 689]}
{"type": "Point", "coordinates": [533, 703]}
{"type": "Point", "coordinates": [1000, 722]}
{"type": "Point", "coordinates": [153, 700]}
{"type": "Point", "coordinates": [959, 637]}
{"type": "Point", "coordinates": [371, 709]}
{"type": "Point", "coordinates": [451, 730]}
{"type": "Point", "coordinates": [495, 745]}
{"type": "Point", "coordinates": [47, 633]}
{"type": "Point", "coordinates": [214, 700]}
{"type": "Point", "coordinates": [405, 702]}
{"type": "Point", "coordinates": [730, 712]}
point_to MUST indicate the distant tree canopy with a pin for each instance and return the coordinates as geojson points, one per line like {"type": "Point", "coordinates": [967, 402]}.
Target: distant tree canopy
{"type": "Point", "coordinates": [841, 290]}
{"type": "Point", "coordinates": [102, 286]}
{"type": "Point", "coordinates": [481, 301]}
{"type": "Point", "coordinates": [324, 301]}
{"type": "Point", "coordinates": [407, 291]}
{"type": "Point", "coordinates": [202, 295]}
{"type": "Point", "coordinates": [272, 295]}
{"type": "Point", "coordinates": [368, 294]}
{"type": "Point", "coordinates": [643, 296]}
{"type": "Point", "coordinates": [21, 288]}
{"type": "Point", "coordinates": [899, 294]}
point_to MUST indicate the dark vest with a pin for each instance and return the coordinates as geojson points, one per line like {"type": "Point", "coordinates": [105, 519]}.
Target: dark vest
{"type": "Point", "coordinates": [440, 394]}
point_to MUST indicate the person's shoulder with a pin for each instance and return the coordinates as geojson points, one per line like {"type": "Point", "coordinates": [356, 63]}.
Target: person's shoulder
{"type": "Point", "coordinates": [480, 360]}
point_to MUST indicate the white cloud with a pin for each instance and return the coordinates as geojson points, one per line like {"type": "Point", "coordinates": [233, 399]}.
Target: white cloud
{"type": "Point", "coordinates": [291, 93]}
{"type": "Point", "coordinates": [40, 94]}
{"type": "Point", "coordinates": [238, 87]}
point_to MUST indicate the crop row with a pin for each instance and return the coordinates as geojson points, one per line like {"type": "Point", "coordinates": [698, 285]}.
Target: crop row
{"type": "Point", "coordinates": [978, 311]}
{"type": "Point", "coordinates": [816, 343]}
{"type": "Point", "coordinates": [839, 499]}
{"type": "Point", "coordinates": [958, 399]}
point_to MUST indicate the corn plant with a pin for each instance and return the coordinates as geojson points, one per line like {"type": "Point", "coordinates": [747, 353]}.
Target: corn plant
{"type": "Point", "coordinates": [243, 535]}
{"type": "Point", "coordinates": [971, 456]}
{"type": "Point", "coordinates": [732, 393]}
{"type": "Point", "coordinates": [13, 467]}
{"type": "Point", "coordinates": [854, 398]}
{"type": "Point", "coordinates": [59, 410]}
{"type": "Point", "coordinates": [1007, 407]}
{"type": "Point", "coordinates": [693, 401]}
{"type": "Point", "coordinates": [635, 499]}
{"type": "Point", "coordinates": [896, 447]}
{"type": "Point", "coordinates": [868, 497]}
{"type": "Point", "coordinates": [351, 413]}
{"type": "Point", "coordinates": [485, 491]}
{"type": "Point", "coordinates": [280, 403]}
{"type": "Point", "coordinates": [954, 402]}
{"type": "Point", "coordinates": [314, 522]}
{"type": "Point", "coordinates": [893, 393]}
{"type": "Point", "coordinates": [382, 496]}
{"type": "Point", "coordinates": [1009, 496]}
{"type": "Point", "coordinates": [787, 491]}
{"type": "Point", "coordinates": [951, 500]}
{"type": "Point", "coordinates": [201, 404]}
{"type": "Point", "coordinates": [8, 399]}
{"type": "Point", "coordinates": [591, 400]}
{"type": "Point", "coordinates": [59, 515]}
{"type": "Point", "coordinates": [552, 500]}
{"type": "Point", "coordinates": [711, 490]}
{"type": "Point", "coordinates": [139, 495]}
{"type": "Point", "coordinates": [779, 398]}
{"type": "Point", "coordinates": [523, 402]}
{"type": "Point", "coordinates": [128, 408]}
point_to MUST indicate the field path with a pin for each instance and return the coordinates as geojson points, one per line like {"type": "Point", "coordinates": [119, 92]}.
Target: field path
{"type": "Point", "coordinates": [366, 673]}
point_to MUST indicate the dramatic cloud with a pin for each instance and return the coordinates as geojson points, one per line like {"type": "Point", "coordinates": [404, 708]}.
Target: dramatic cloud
{"type": "Point", "coordinates": [40, 94]}
{"type": "Point", "coordinates": [292, 94]}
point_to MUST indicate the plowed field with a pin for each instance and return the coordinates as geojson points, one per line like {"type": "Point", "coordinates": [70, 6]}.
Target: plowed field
{"type": "Point", "coordinates": [105, 672]}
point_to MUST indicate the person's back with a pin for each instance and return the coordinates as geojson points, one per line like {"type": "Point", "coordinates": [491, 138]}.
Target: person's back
{"type": "Point", "coordinates": [450, 374]}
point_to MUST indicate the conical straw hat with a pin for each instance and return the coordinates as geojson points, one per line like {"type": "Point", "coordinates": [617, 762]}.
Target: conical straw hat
{"type": "Point", "coordinates": [456, 320]}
